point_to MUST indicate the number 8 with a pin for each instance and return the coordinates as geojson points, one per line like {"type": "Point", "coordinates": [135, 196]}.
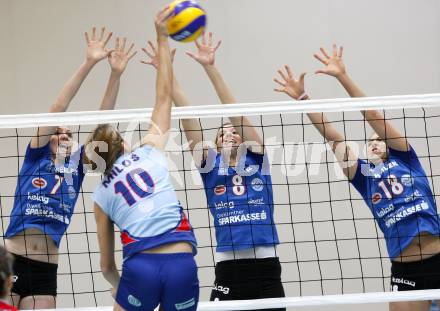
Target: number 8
{"type": "Point", "coordinates": [238, 188]}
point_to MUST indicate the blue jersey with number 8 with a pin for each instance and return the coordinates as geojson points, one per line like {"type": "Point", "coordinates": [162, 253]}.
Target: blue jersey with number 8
{"type": "Point", "coordinates": [241, 201]}
{"type": "Point", "coordinates": [400, 198]}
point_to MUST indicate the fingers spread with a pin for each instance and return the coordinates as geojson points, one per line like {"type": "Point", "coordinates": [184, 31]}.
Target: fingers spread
{"type": "Point", "coordinates": [341, 51]}
{"type": "Point", "coordinates": [210, 39]}
{"type": "Point", "coordinates": [324, 52]}
{"type": "Point", "coordinates": [279, 82]}
{"type": "Point", "coordinates": [124, 42]}
{"type": "Point", "coordinates": [94, 33]}
{"type": "Point", "coordinates": [282, 75]}
{"type": "Point", "coordinates": [289, 71]}
{"type": "Point", "coordinates": [191, 55]}
{"type": "Point", "coordinates": [335, 50]}
{"type": "Point", "coordinates": [129, 50]}
{"type": "Point", "coordinates": [108, 38]}
{"type": "Point", "coordinates": [101, 36]}
{"type": "Point", "coordinates": [204, 38]}
{"type": "Point", "coordinates": [319, 57]}
{"type": "Point", "coordinates": [130, 56]}
{"type": "Point", "coordinates": [218, 45]}
{"type": "Point", "coordinates": [117, 44]}
{"type": "Point", "coordinates": [198, 44]}
{"type": "Point", "coordinates": [148, 53]}
{"type": "Point", "coordinates": [152, 46]}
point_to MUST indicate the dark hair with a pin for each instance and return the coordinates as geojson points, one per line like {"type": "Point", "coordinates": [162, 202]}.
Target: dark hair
{"type": "Point", "coordinates": [105, 133]}
{"type": "Point", "coordinates": [6, 262]}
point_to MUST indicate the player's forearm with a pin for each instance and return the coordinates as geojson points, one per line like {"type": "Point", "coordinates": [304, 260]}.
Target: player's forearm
{"type": "Point", "coordinates": [220, 86]}
{"type": "Point", "coordinates": [162, 109]}
{"type": "Point", "coordinates": [192, 127]}
{"type": "Point", "coordinates": [179, 97]}
{"type": "Point", "coordinates": [111, 92]}
{"type": "Point", "coordinates": [325, 128]}
{"type": "Point", "coordinates": [350, 86]}
{"type": "Point", "coordinates": [241, 124]}
{"type": "Point", "coordinates": [112, 276]}
{"type": "Point", "coordinates": [72, 86]}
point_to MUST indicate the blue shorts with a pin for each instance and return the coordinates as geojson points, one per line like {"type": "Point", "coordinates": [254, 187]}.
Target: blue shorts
{"type": "Point", "coordinates": [150, 279]}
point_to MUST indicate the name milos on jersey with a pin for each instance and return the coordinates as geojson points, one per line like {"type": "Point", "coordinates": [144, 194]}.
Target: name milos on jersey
{"type": "Point", "coordinates": [119, 169]}
{"type": "Point", "coordinates": [138, 183]}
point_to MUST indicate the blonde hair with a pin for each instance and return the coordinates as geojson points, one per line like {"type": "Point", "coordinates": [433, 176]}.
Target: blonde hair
{"type": "Point", "coordinates": [105, 133]}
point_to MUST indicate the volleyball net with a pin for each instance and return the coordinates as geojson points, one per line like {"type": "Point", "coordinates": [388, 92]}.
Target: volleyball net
{"type": "Point", "coordinates": [331, 249]}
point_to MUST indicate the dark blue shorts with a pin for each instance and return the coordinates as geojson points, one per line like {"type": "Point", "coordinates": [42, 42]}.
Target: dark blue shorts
{"type": "Point", "coordinates": [150, 279]}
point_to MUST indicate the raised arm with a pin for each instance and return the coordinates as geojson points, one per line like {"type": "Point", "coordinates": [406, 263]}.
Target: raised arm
{"type": "Point", "coordinates": [205, 56]}
{"type": "Point", "coordinates": [106, 241]}
{"type": "Point", "coordinates": [161, 117]}
{"type": "Point", "coordinates": [295, 89]}
{"type": "Point", "coordinates": [96, 51]}
{"type": "Point", "coordinates": [334, 66]}
{"type": "Point", "coordinates": [118, 60]}
{"type": "Point", "coordinates": [192, 127]}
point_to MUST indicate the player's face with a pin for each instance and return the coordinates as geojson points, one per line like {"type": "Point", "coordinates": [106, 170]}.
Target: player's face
{"type": "Point", "coordinates": [377, 149]}
{"type": "Point", "coordinates": [61, 142]}
{"type": "Point", "coordinates": [227, 137]}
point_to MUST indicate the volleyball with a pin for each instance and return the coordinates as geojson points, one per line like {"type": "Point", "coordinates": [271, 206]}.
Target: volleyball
{"type": "Point", "coordinates": [188, 22]}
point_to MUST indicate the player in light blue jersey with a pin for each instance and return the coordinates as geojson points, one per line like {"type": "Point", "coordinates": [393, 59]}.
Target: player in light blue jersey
{"type": "Point", "coordinates": [393, 184]}
{"type": "Point", "coordinates": [49, 183]}
{"type": "Point", "coordinates": [238, 187]}
{"type": "Point", "coordinates": [136, 195]}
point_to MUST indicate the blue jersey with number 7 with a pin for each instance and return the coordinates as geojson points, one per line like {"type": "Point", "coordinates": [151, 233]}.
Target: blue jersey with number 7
{"type": "Point", "coordinates": [46, 193]}
{"type": "Point", "coordinates": [400, 198]}
{"type": "Point", "coordinates": [139, 198]}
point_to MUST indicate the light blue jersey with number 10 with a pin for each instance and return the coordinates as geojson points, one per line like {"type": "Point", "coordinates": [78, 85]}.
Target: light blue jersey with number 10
{"type": "Point", "coordinates": [139, 198]}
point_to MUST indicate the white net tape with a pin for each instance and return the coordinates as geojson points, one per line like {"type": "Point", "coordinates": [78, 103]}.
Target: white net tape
{"type": "Point", "coordinates": [291, 302]}
{"type": "Point", "coordinates": [215, 111]}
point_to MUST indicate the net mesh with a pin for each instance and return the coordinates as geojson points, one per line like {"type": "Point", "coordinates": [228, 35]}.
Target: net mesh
{"type": "Point", "coordinates": [330, 243]}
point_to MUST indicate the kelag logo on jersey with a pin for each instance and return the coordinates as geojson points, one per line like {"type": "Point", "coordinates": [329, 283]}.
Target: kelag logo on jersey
{"type": "Point", "coordinates": [220, 189]}
{"type": "Point", "coordinates": [376, 198]}
{"type": "Point", "coordinates": [39, 183]}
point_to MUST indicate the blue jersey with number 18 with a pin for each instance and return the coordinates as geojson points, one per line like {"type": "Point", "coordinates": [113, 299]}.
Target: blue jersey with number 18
{"type": "Point", "coordinates": [400, 198]}
{"type": "Point", "coordinates": [139, 198]}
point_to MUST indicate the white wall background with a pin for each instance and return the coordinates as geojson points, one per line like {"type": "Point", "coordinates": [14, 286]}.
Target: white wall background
{"type": "Point", "coordinates": [391, 47]}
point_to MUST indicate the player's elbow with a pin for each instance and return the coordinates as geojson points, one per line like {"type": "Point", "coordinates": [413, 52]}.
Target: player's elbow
{"type": "Point", "coordinates": [108, 266]}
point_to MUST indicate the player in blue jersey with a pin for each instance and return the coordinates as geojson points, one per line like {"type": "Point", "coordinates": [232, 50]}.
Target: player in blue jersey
{"type": "Point", "coordinates": [393, 184]}
{"type": "Point", "coordinates": [136, 194]}
{"type": "Point", "coordinates": [238, 188]}
{"type": "Point", "coordinates": [49, 182]}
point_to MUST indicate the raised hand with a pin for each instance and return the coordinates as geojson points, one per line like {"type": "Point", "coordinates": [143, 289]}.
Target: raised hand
{"type": "Point", "coordinates": [96, 49]}
{"type": "Point", "coordinates": [160, 21]}
{"type": "Point", "coordinates": [290, 86]}
{"type": "Point", "coordinates": [205, 50]}
{"type": "Point", "coordinates": [119, 58]}
{"type": "Point", "coordinates": [334, 66]}
{"type": "Point", "coordinates": [154, 56]}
